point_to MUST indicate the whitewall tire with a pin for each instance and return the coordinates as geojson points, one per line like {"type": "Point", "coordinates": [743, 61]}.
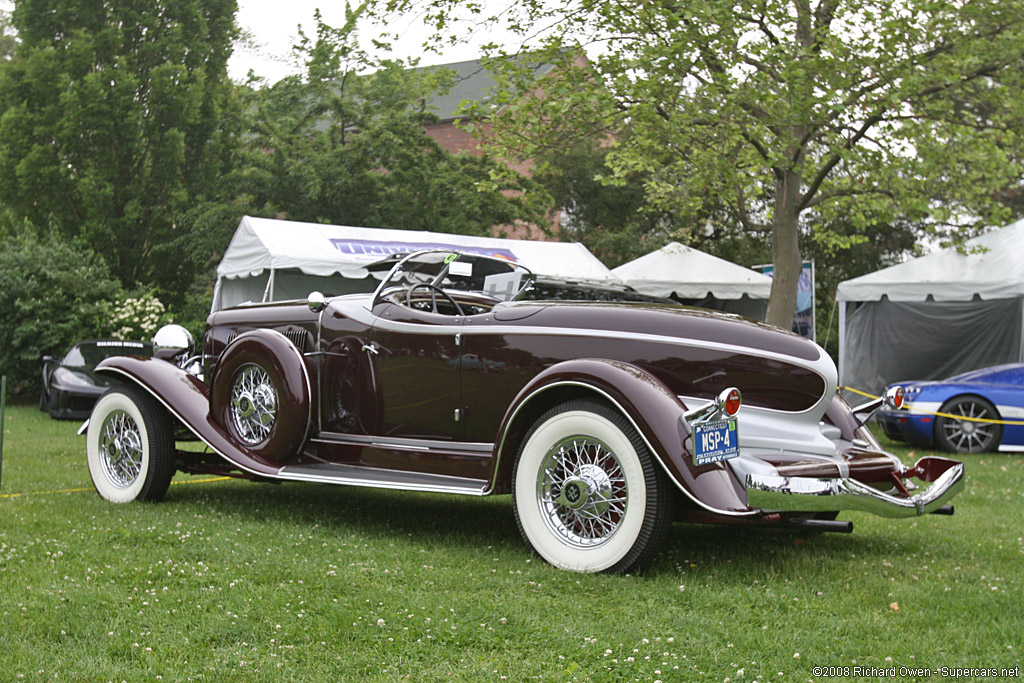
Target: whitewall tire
{"type": "Point", "coordinates": [588, 495]}
{"type": "Point", "coordinates": [130, 446]}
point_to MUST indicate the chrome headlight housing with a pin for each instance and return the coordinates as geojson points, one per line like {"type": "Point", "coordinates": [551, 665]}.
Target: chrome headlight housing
{"type": "Point", "coordinates": [174, 344]}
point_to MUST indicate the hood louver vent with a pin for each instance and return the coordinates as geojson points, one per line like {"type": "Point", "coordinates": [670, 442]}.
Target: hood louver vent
{"type": "Point", "coordinates": [296, 337]}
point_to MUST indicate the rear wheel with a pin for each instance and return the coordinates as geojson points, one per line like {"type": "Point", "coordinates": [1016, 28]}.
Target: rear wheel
{"type": "Point", "coordinates": [968, 436]}
{"type": "Point", "coordinates": [130, 446]}
{"type": "Point", "coordinates": [588, 495]}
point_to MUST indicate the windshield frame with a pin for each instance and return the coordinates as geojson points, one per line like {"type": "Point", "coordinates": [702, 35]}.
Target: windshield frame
{"type": "Point", "coordinates": [459, 256]}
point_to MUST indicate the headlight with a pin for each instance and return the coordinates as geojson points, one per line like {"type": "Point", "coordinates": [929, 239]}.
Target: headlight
{"type": "Point", "coordinates": [72, 378]}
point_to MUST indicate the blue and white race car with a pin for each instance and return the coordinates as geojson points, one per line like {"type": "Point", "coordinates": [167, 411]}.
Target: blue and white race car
{"type": "Point", "coordinates": [981, 410]}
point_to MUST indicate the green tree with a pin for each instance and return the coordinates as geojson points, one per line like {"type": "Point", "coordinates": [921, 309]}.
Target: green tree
{"type": "Point", "coordinates": [52, 294]}
{"type": "Point", "coordinates": [614, 222]}
{"type": "Point", "coordinates": [112, 125]}
{"type": "Point", "coordinates": [345, 143]}
{"type": "Point", "coordinates": [8, 39]}
{"type": "Point", "coordinates": [796, 114]}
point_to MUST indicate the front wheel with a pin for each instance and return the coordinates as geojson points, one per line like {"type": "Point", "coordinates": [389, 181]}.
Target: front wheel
{"type": "Point", "coordinates": [968, 436]}
{"type": "Point", "coordinates": [130, 446]}
{"type": "Point", "coordinates": [588, 495]}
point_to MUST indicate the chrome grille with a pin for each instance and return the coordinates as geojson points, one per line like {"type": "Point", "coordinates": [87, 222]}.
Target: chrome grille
{"type": "Point", "coordinates": [297, 337]}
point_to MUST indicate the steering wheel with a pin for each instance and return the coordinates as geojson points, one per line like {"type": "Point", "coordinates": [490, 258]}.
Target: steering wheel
{"type": "Point", "coordinates": [434, 291]}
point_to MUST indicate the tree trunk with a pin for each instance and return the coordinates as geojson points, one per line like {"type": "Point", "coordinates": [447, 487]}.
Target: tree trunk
{"type": "Point", "coordinates": [785, 251]}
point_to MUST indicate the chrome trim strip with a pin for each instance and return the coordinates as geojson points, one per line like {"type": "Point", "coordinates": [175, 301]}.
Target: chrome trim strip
{"type": "Point", "coordinates": [400, 443]}
{"type": "Point", "coordinates": [287, 475]}
{"type": "Point", "coordinates": [812, 494]}
{"type": "Point", "coordinates": [320, 365]}
{"type": "Point", "coordinates": [679, 485]}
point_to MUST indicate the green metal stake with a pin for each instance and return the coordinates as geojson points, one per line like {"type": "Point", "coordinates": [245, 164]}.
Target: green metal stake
{"type": "Point", "coordinates": [3, 407]}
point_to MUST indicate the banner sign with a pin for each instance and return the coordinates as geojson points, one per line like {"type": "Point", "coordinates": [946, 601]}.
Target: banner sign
{"type": "Point", "coordinates": [803, 318]}
{"type": "Point", "coordinates": [376, 248]}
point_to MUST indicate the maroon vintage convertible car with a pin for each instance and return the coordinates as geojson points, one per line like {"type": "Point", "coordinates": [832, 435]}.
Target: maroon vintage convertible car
{"type": "Point", "coordinates": [604, 421]}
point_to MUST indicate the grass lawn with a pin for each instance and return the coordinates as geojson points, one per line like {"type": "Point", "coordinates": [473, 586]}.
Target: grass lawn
{"type": "Point", "coordinates": [231, 580]}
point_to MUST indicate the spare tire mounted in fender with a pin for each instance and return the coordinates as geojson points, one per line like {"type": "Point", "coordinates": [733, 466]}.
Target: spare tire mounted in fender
{"type": "Point", "coordinates": [261, 395]}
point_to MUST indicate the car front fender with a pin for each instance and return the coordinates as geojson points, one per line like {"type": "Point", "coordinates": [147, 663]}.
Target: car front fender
{"type": "Point", "coordinates": [654, 411]}
{"type": "Point", "coordinates": [187, 399]}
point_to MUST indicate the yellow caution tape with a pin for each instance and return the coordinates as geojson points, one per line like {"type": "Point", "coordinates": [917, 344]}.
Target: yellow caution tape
{"type": "Point", "coordinates": [51, 493]}
{"type": "Point", "coordinates": [910, 407]}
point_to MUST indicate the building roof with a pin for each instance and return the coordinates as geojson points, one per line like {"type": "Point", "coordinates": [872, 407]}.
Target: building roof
{"type": "Point", "coordinates": [473, 83]}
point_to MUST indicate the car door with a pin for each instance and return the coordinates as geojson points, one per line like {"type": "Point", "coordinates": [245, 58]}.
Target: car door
{"type": "Point", "coordinates": [416, 358]}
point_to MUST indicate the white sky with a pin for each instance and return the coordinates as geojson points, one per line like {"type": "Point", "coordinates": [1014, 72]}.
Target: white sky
{"type": "Point", "coordinates": [273, 25]}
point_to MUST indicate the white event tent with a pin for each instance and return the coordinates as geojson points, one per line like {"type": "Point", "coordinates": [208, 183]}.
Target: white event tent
{"type": "Point", "coordinates": [935, 316]}
{"type": "Point", "coordinates": [698, 279]}
{"type": "Point", "coordinates": [276, 260]}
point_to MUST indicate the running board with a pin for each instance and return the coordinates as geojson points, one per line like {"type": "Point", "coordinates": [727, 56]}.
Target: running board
{"type": "Point", "coordinates": [355, 475]}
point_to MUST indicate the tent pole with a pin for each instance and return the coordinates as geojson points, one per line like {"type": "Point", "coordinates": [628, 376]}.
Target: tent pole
{"type": "Point", "coordinates": [268, 293]}
{"type": "Point", "coordinates": [216, 295]}
{"type": "Point", "coordinates": [842, 339]}
{"type": "Point", "coordinates": [814, 305]}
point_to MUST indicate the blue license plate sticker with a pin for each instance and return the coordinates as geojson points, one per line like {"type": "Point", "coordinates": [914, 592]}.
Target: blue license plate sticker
{"type": "Point", "coordinates": [715, 441]}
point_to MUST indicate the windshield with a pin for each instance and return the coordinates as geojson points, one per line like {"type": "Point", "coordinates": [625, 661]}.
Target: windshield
{"type": "Point", "coordinates": [89, 354]}
{"type": "Point", "coordinates": [498, 278]}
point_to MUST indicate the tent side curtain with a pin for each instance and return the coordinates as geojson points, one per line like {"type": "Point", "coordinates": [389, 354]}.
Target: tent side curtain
{"type": "Point", "coordinates": [289, 284]}
{"type": "Point", "coordinates": [748, 307]}
{"type": "Point", "coordinates": [890, 341]}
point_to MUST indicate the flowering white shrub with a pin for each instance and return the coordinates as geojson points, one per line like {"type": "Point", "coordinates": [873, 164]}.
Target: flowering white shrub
{"type": "Point", "coordinates": [138, 317]}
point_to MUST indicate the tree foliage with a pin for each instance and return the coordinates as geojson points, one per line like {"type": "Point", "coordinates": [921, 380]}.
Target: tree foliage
{"type": "Point", "coordinates": [345, 143]}
{"type": "Point", "coordinates": [112, 124]}
{"type": "Point", "coordinates": [611, 221]}
{"type": "Point", "coordinates": [797, 115]}
{"type": "Point", "coordinates": [52, 294]}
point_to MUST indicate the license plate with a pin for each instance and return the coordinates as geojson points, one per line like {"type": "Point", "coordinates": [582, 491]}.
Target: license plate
{"type": "Point", "coordinates": [715, 441]}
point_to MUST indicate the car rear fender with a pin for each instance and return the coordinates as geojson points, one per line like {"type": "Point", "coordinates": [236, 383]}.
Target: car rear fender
{"type": "Point", "coordinates": [187, 399]}
{"type": "Point", "coordinates": [654, 411]}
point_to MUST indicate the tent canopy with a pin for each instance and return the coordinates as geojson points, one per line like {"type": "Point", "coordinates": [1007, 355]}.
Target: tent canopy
{"type": "Point", "coordinates": [994, 271]}
{"type": "Point", "coordinates": [264, 243]}
{"type": "Point", "coordinates": [935, 316]}
{"type": "Point", "coordinates": [691, 274]}
{"type": "Point", "coordinates": [287, 258]}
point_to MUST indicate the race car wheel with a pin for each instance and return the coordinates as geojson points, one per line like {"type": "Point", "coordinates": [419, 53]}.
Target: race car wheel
{"type": "Point", "coordinates": [966, 436]}
{"type": "Point", "coordinates": [130, 446]}
{"type": "Point", "coordinates": [588, 495]}
{"type": "Point", "coordinates": [261, 395]}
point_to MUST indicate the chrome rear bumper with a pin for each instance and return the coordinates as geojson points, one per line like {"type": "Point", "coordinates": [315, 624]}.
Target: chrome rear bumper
{"type": "Point", "coordinates": [809, 494]}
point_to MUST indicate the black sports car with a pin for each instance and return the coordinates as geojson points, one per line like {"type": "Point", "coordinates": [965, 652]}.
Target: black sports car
{"type": "Point", "coordinates": [70, 387]}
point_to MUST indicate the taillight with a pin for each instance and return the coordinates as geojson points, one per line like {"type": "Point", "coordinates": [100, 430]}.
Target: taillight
{"type": "Point", "coordinates": [732, 401]}
{"type": "Point", "coordinates": [893, 397]}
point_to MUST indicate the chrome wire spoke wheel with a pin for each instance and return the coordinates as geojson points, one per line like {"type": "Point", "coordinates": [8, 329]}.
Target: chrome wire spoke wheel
{"type": "Point", "coordinates": [129, 446]}
{"type": "Point", "coordinates": [120, 448]}
{"type": "Point", "coordinates": [253, 404]}
{"type": "Point", "coordinates": [582, 492]}
{"type": "Point", "coordinates": [588, 495]}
